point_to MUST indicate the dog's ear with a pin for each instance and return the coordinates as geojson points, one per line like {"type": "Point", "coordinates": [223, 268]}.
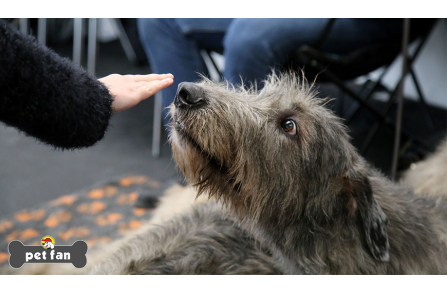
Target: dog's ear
{"type": "Point", "coordinates": [373, 220]}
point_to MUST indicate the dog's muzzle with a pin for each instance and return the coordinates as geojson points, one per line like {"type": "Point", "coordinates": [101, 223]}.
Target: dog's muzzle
{"type": "Point", "coordinates": [189, 96]}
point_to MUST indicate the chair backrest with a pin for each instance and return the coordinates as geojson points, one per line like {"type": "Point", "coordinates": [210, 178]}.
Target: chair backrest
{"type": "Point", "coordinates": [362, 60]}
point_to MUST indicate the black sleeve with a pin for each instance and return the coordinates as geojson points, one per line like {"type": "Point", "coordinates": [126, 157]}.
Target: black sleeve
{"type": "Point", "coordinates": [47, 96]}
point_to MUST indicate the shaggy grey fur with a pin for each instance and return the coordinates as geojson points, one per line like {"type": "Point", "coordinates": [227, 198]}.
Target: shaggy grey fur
{"type": "Point", "coordinates": [303, 191]}
{"type": "Point", "coordinates": [430, 175]}
{"type": "Point", "coordinates": [204, 240]}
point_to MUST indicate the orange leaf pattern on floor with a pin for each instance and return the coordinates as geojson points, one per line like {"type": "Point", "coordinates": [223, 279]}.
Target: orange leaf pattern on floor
{"type": "Point", "coordinates": [110, 219]}
{"type": "Point", "coordinates": [14, 235]}
{"type": "Point", "coordinates": [133, 180]}
{"type": "Point", "coordinates": [25, 215]}
{"type": "Point", "coordinates": [134, 224]}
{"type": "Point", "coordinates": [22, 235]}
{"type": "Point", "coordinates": [4, 257]}
{"type": "Point", "coordinates": [127, 198]}
{"type": "Point", "coordinates": [107, 191]}
{"type": "Point", "coordinates": [96, 193]}
{"type": "Point", "coordinates": [139, 211]}
{"type": "Point", "coordinates": [92, 242]}
{"type": "Point", "coordinates": [28, 233]}
{"type": "Point", "coordinates": [77, 233]}
{"type": "Point", "coordinates": [64, 200]}
{"type": "Point", "coordinates": [124, 227]}
{"type": "Point", "coordinates": [57, 217]}
{"type": "Point", "coordinates": [97, 215]}
{"type": "Point", "coordinates": [92, 208]}
{"type": "Point", "coordinates": [110, 190]}
{"type": "Point", "coordinates": [5, 225]}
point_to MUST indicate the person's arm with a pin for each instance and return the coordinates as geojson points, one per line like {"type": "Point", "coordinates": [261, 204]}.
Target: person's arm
{"type": "Point", "coordinates": [56, 101]}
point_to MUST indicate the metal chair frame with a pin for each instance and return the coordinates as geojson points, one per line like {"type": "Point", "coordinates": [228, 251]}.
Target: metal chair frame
{"type": "Point", "coordinates": [314, 58]}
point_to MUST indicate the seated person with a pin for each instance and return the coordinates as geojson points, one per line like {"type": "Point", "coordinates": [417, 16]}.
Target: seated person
{"type": "Point", "coordinates": [252, 47]}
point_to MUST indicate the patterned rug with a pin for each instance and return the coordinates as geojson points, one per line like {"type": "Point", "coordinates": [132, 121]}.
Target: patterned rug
{"type": "Point", "coordinates": [97, 215]}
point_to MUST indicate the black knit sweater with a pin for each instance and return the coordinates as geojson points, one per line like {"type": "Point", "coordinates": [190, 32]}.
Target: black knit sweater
{"type": "Point", "coordinates": [47, 96]}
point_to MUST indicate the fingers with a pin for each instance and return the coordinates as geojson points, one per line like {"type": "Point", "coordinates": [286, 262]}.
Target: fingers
{"type": "Point", "coordinates": [152, 77]}
{"type": "Point", "coordinates": [153, 87]}
{"type": "Point", "coordinates": [139, 84]}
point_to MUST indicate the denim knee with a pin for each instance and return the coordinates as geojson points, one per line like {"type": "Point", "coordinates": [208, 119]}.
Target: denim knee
{"type": "Point", "coordinates": [247, 55]}
{"type": "Point", "coordinates": [152, 30]}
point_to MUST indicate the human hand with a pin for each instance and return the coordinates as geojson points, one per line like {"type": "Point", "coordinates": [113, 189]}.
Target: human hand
{"type": "Point", "coordinates": [128, 90]}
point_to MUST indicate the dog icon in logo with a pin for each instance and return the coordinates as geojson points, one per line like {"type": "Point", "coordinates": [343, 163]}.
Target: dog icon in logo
{"type": "Point", "coordinates": [48, 242]}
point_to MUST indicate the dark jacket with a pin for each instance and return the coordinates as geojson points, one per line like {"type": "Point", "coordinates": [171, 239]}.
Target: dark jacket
{"type": "Point", "coordinates": [47, 96]}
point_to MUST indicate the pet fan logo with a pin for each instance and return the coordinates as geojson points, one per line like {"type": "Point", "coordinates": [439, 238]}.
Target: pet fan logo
{"type": "Point", "coordinates": [48, 242]}
{"type": "Point", "coordinates": [47, 252]}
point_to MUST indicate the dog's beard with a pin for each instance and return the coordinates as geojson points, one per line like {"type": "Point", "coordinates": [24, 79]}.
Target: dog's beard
{"type": "Point", "coordinates": [200, 168]}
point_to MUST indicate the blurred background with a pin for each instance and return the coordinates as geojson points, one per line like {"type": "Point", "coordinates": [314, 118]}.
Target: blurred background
{"type": "Point", "coordinates": [31, 173]}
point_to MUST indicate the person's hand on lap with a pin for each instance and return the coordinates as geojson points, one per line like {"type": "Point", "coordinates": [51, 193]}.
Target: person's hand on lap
{"type": "Point", "coordinates": [129, 90]}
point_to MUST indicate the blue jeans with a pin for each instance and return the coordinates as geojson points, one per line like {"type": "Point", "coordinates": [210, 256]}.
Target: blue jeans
{"type": "Point", "coordinates": [252, 47]}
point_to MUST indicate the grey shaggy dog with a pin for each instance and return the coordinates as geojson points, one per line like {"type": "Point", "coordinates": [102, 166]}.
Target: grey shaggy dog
{"type": "Point", "coordinates": [285, 167]}
{"type": "Point", "coordinates": [429, 176]}
{"type": "Point", "coordinates": [203, 240]}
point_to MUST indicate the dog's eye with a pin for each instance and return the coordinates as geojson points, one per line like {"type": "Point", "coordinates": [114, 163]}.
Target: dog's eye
{"type": "Point", "coordinates": [289, 126]}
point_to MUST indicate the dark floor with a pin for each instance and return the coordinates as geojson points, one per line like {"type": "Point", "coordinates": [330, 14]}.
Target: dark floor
{"type": "Point", "coordinates": [31, 173]}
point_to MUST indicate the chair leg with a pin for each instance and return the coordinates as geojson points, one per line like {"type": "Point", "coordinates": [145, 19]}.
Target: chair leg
{"type": "Point", "coordinates": [92, 45]}
{"type": "Point", "coordinates": [353, 109]}
{"type": "Point", "coordinates": [156, 130]}
{"type": "Point", "coordinates": [214, 73]}
{"type": "Point", "coordinates": [124, 40]}
{"type": "Point", "coordinates": [400, 99]}
{"type": "Point", "coordinates": [373, 131]}
{"type": "Point", "coordinates": [388, 105]}
{"type": "Point", "coordinates": [208, 52]}
{"type": "Point", "coordinates": [24, 25]}
{"type": "Point", "coordinates": [42, 30]}
{"type": "Point", "coordinates": [78, 27]}
{"type": "Point", "coordinates": [377, 84]}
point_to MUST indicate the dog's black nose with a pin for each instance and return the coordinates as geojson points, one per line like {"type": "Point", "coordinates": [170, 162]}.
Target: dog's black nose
{"type": "Point", "coordinates": [189, 95]}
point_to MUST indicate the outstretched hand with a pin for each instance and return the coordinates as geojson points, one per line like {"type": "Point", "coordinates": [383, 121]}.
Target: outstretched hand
{"type": "Point", "coordinates": [129, 90]}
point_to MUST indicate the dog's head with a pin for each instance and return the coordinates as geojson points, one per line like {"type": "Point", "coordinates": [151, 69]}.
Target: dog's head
{"type": "Point", "coordinates": [275, 155]}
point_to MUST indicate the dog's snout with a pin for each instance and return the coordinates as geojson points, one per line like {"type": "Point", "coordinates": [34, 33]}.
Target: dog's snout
{"type": "Point", "coordinates": [189, 95]}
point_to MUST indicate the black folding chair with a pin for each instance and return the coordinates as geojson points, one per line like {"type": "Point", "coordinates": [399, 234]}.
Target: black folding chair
{"type": "Point", "coordinates": [339, 69]}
